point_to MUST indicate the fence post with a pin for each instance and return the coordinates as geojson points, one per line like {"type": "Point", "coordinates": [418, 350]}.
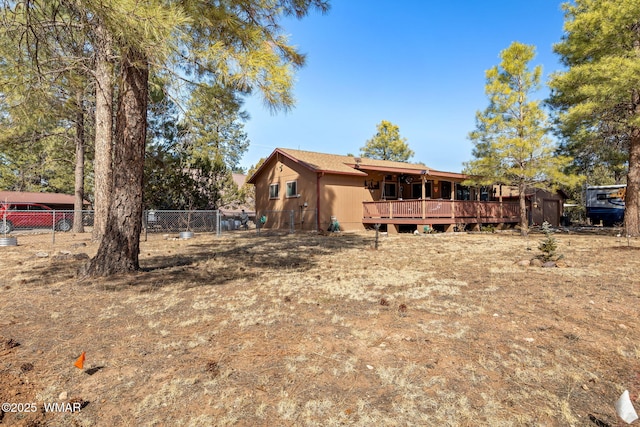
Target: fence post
{"type": "Point", "coordinates": [53, 228]}
{"type": "Point", "coordinates": [315, 220]}
{"type": "Point", "coordinates": [292, 219]}
{"type": "Point", "coordinates": [218, 223]}
{"type": "Point", "coordinates": [145, 218]}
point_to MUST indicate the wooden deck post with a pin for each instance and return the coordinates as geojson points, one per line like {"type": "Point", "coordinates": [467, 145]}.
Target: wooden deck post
{"type": "Point", "coordinates": [500, 209]}
{"type": "Point", "coordinates": [423, 197]}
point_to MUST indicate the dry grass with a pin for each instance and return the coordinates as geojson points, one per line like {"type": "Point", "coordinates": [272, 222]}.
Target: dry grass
{"type": "Point", "coordinates": [442, 330]}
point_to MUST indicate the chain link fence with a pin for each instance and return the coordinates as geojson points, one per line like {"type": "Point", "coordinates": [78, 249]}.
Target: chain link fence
{"type": "Point", "coordinates": [177, 221]}
{"type": "Point", "coordinates": [287, 220]}
{"type": "Point", "coordinates": [17, 219]}
{"type": "Point", "coordinates": [32, 223]}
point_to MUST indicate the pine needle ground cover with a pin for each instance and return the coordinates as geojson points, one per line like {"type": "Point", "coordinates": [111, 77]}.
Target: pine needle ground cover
{"type": "Point", "coordinates": [289, 330]}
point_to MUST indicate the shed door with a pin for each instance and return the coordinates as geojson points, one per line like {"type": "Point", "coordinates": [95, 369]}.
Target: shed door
{"type": "Point", "coordinates": [551, 211]}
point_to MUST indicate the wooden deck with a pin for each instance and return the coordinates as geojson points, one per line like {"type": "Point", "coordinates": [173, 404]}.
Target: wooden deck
{"type": "Point", "coordinates": [439, 211]}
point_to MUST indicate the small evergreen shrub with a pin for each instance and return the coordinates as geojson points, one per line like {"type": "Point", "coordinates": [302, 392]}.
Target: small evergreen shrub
{"type": "Point", "coordinates": [549, 245]}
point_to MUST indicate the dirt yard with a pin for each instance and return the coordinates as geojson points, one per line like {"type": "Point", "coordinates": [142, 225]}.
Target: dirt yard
{"type": "Point", "coordinates": [309, 330]}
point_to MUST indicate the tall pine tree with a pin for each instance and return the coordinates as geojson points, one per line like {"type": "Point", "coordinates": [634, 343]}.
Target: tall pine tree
{"type": "Point", "coordinates": [598, 97]}
{"type": "Point", "coordinates": [510, 142]}
{"type": "Point", "coordinates": [238, 43]}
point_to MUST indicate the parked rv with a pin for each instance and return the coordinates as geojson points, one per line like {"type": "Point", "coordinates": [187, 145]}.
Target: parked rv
{"type": "Point", "coordinates": [606, 203]}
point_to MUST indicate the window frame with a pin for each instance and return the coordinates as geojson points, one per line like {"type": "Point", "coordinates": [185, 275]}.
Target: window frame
{"type": "Point", "coordinates": [393, 185]}
{"type": "Point", "coordinates": [275, 185]}
{"type": "Point", "coordinates": [288, 189]}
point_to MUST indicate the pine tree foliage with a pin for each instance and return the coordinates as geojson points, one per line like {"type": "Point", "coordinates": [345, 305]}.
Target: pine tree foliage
{"type": "Point", "coordinates": [42, 77]}
{"type": "Point", "coordinates": [190, 152]}
{"type": "Point", "coordinates": [215, 124]}
{"type": "Point", "coordinates": [597, 99]}
{"type": "Point", "coordinates": [549, 245]}
{"type": "Point", "coordinates": [511, 145]}
{"type": "Point", "coordinates": [387, 144]}
{"type": "Point", "coordinates": [239, 45]}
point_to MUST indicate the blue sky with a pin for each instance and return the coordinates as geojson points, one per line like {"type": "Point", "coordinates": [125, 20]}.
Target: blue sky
{"type": "Point", "coordinates": [419, 64]}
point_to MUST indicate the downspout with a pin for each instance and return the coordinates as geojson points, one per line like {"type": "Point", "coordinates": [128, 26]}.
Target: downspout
{"type": "Point", "coordinates": [318, 176]}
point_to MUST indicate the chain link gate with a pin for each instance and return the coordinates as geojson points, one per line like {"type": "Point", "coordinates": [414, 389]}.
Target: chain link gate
{"type": "Point", "coordinates": [283, 220]}
{"type": "Point", "coordinates": [287, 220]}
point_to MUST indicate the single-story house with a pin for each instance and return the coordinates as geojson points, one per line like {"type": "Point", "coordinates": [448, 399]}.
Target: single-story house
{"type": "Point", "coordinates": [53, 200]}
{"type": "Point", "coordinates": [308, 191]}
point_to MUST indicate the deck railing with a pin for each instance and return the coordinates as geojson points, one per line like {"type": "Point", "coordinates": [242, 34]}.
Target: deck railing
{"type": "Point", "coordinates": [440, 208]}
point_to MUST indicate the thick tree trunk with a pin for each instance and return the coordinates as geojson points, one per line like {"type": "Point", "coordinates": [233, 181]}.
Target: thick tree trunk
{"type": "Point", "coordinates": [78, 203]}
{"type": "Point", "coordinates": [524, 220]}
{"type": "Point", "coordinates": [103, 169]}
{"type": "Point", "coordinates": [631, 219]}
{"type": "Point", "coordinates": [120, 244]}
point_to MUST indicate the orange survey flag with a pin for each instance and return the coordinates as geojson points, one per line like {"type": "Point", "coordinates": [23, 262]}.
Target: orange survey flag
{"type": "Point", "coordinates": [80, 362]}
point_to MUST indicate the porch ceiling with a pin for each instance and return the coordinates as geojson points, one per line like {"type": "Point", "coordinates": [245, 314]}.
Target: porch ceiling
{"type": "Point", "coordinates": [429, 173]}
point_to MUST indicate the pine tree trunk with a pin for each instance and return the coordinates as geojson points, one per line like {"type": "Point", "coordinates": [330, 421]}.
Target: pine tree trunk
{"type": "Point", "coordinates": [103, 170]}
{"type": "Point", "coordinates": [120, 244]}
{"type": "Point", "coordinates": [524, 220]}
{"type": "Point", "coordinates": [631, 211]}
{"type": "Point", "coordinates": [78, 204]}
{"type": "Point", "coordinates": [631, 219]}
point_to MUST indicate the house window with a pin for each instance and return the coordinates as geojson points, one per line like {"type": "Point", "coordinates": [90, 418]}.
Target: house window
{"type": "Point", "coordinates": [484, 194]}
{"type": "Point", "coordinates": [416, 190]}
{"type": "Point", "coordinates": [462, 192]}
{"type": "Point", "coordinates": [390, 191]}
{"type": "Point", "coordinates": [292, 189]}
{"type": "Point", "coordinates": [445, 187]}
{"type": "Point", "coordinates": [274, 191]}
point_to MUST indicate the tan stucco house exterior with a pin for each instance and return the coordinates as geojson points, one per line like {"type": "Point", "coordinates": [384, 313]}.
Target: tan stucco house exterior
{"type": "Point", "coordinates": [304, 190]}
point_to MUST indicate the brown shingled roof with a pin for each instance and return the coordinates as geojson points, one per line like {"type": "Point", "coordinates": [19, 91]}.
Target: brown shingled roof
{"type": "Point", "coordinates": [348, 165]}
{"type": "Point", "coordinates": [345, 164]}
{"type": "Point", "coordinates": [33, 197]}
{"type": "Point", "coordinates": [322, 162]}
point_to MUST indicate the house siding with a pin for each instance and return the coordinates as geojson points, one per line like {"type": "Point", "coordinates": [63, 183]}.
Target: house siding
{"type": "Point", "coordinates": [278, 210]}
{"type": "Point", "coordinates": [542, 205]}
{"type": "Point", "coordinates": [545, 206]}
{"type": "Point", "coordinates": [342, 196]}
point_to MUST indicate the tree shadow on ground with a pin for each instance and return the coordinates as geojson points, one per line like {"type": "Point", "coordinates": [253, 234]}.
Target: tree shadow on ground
{"type": "Point", "coordinates": [216, 262]}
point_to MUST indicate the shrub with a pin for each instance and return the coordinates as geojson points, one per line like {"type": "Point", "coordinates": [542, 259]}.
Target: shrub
{"type": "Point", "coordinates": [549, 245]}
